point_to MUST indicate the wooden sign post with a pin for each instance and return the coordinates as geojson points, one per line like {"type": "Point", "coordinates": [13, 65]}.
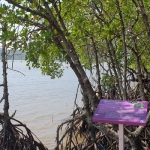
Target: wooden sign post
{"type": "Point", "coordinates": [121, 137]}
{"type": "Point", "coordinates": [121, 112]}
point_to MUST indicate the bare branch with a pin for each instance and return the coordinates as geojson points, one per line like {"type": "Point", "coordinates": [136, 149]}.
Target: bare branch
{"type": "Point", "coordinates": [13, 114]}
{"type": "Point", "coordinates": [15, 70]}
{"type": "Point", "coordinates": [2, 99]}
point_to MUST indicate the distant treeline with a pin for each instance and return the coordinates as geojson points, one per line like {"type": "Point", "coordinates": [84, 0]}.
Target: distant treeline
{"type": "Point", "coordinates": [17, 55]}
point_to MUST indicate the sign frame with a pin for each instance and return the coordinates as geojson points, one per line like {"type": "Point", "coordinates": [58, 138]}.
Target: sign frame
{"type": "Point", "coordinates": [121, 112]}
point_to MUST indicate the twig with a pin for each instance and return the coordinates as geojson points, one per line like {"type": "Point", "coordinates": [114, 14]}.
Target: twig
{"type": "Point", "coordinates": [13, 114]}
{"type": "Point", "coordinates": [15, 70]}
{"type": "Point", "coordinates": [75, 103]}
{"type": "Point", "coordinates": [108, 148]}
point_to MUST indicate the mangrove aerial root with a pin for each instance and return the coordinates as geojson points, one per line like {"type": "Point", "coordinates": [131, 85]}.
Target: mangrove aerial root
{"type": "Point", "coordinates": [17, 136]}
{"type": "Point", "coordinates": [77, 136]}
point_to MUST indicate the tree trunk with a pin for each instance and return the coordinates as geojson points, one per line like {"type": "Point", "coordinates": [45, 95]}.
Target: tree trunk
{"type": "Point", "coordinates": [5, 93]}
{"type": "Point", "coordinates": [125, 49]}
{"type": "Point", "coordinates": [97, 69]}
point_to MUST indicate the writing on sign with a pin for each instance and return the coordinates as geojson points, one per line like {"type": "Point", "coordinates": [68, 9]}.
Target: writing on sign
{"type": "Point", "coordinates": [121, 112]}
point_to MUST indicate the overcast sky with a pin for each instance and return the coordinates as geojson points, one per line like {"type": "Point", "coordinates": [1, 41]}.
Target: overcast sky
{"type": "Point", "coordinates": [3, 2]}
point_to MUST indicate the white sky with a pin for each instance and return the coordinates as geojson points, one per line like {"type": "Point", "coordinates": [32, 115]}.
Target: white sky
{"type": "Point", "coordinates": [3, 2]}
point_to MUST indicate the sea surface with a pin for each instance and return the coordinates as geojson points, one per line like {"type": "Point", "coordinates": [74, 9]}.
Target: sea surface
{"type": "Point", "coordinates": [42, 103]}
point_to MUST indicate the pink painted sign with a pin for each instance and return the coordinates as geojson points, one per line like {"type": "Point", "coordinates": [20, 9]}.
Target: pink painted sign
{"type": "Point", "coordinates": [121, 112]}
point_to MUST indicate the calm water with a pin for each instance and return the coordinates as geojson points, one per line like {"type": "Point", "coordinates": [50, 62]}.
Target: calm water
{"type": "Point", "coordinates": [41, 103]}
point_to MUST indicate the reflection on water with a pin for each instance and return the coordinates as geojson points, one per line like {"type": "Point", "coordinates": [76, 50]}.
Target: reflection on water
{"type": "Point", "coordinates": [41, 103]}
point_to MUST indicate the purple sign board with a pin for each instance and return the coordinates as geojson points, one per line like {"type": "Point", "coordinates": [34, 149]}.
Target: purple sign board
{"type": "Point", "coordinates": [121, 112]}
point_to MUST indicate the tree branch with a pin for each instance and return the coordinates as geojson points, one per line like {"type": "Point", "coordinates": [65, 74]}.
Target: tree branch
{"type": "Point", "coordinates": [27, 9]}
{"type": "Point", "coordinates": [37, 24]}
